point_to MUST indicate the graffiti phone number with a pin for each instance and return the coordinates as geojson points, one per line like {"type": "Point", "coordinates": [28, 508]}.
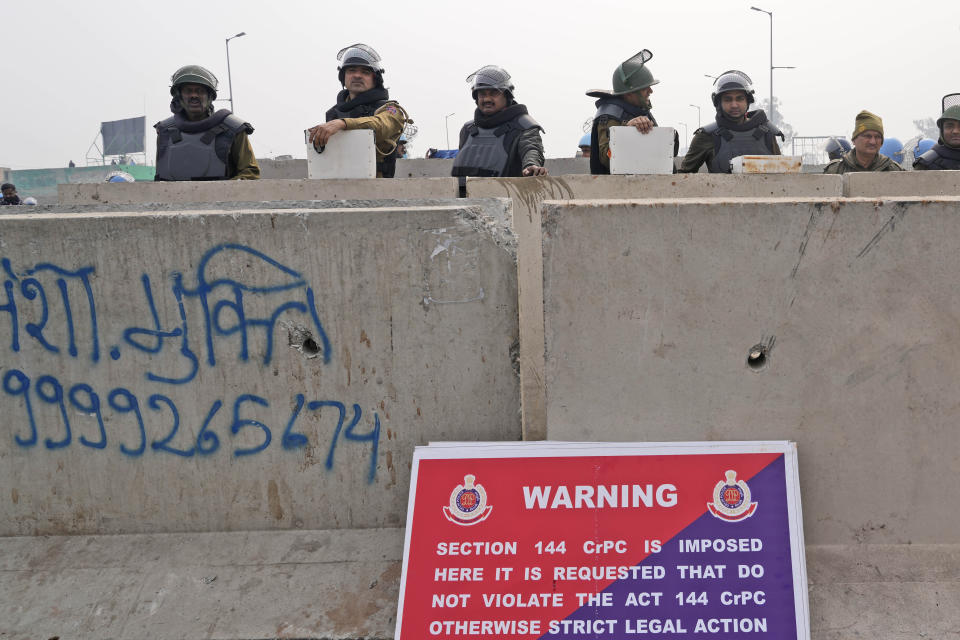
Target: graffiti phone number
{"type": "Point", "coordinates": [134, 437]}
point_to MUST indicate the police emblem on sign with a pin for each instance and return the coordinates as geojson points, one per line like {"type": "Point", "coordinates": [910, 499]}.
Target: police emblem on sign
{"type": "Point", "coordinates": [468, 503]}
{"type": "Point", "coordinates": [731, 499]}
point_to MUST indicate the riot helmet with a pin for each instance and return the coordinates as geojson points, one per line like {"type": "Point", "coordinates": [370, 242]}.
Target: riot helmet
{"type": "Point", "coordinates": [951, 109]}
{"type": "Point", "coordinates": [633, 75]}
{"type": "Point", "coordinates": [923, 145]}
{"type": "Point", "coordinates": [360, 55]}
{"type": "Point", "coordinates": [491, 77]}
{"type": "Point", "coordinates": [836, 147]}
{"type": "Point", "coordinates": [892, 148]}
{"type": "Point", "coordinates": [193, 74]}
{"type": "Point", "coordinates": [732, 80]}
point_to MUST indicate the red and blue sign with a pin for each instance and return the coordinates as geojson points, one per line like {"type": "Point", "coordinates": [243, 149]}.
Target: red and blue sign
{"type": "Point", "coordinates": [589, 540]}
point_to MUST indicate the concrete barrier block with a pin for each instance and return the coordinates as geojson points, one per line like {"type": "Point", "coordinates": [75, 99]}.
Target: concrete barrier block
{"type": "Point", "coordinates": [889, 592]}
{"type": "Point", "coordinates": [280, 584]}
{"type": "Point", "coordinates": [254, 191]}
{"type": "Point", "coordinates": [245, 369]}
{"type": "Point", "coordinates": [901, 183]}
{"type": "Point", "coordinates": [653, 309]}
{"type": "Point", "coordinates": [527, 194]}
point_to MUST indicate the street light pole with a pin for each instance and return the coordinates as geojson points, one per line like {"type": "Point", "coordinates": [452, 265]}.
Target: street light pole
{"type": "Point", "coordinates": [769, 13]}
{"type": "Point", "coordinates": [446, 126]}
{"type": "Point", "coordinates": [229, 79]}
{"type": "Point", "coordinates": [697, 107]}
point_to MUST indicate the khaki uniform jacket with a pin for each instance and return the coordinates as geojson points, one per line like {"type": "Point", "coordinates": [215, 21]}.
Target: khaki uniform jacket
{"type": "Point", "coordinates": [848, 164]}
{"type": "Point", "coordinates": [387, 123]}
{"type": "Point", "coordinates": [603, 138]}
{"type": "Point", "coordinates": [241, 163]}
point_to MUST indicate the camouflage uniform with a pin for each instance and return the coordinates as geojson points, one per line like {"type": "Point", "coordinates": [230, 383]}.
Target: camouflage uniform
{"type": "Point", "coordinates": [848, 164]}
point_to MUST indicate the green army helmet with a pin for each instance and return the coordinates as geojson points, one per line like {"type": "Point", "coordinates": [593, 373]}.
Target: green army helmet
{"type": "Point", "coordinates": [633, 75]}
{"type": "Point", "coordinates": [195, 74]}
{"type": "Point", "coordinates": [951, 109]}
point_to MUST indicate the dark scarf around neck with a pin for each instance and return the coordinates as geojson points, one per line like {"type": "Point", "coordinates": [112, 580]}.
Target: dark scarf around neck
{"type": "Point", "coordinates": [753, 120]}
{"type": "Point", "coordinates": [197, 126]}
{"type": "Point", "coordinates": [345, 104]}
{"type": "Point", "coordinates": [631, 110]}
{"type": "Point", "coordinates": [500, 117]}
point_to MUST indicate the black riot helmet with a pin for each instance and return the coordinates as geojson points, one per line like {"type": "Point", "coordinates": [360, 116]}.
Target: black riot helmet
{"type": "Point", "coordinates": [732, 80]}
{"type": "Point", "coordinates": [360, 55]}
{"type": "Point", "coordinates": [491, 77]}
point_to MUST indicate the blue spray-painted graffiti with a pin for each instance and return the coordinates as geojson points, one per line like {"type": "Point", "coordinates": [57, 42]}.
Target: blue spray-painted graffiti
{"type": "Point", "coordinates": [224, 315]}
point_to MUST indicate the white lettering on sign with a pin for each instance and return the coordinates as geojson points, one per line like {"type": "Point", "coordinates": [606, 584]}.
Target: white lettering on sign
{"type": "Point", "coordinates": [700, 545]}
{"type": "Point", "coordinates": [598, 497]}
{"type": "Point", "coordinates": [495, 548]}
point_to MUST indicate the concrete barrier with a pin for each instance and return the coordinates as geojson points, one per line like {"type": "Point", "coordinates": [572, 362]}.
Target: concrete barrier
{"type": "Point", "coordinates": [282, 169]}
{"type": "Point", "coordinates": [651, 311]}
{"type": "Point", "coordinates": [278, 584]}
{"type": "Point", "coordinates": [527, 194]}
{"type": "Point", "coordinates": [901, 183]}
{"type": "Point", "coordinates": [245, 369]}
{"type": "Point", "coordinates": [254, 191]}
{"type": "Point", "coordinates": [296, 168]}
{"type": "Point", "coordinates": [832, 323]}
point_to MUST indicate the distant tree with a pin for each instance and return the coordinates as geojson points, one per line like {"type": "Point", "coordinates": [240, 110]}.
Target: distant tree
{"type": "Point", "coordinates": [927, 127]}
{"type": "Point", "coordinates": [777, 118]}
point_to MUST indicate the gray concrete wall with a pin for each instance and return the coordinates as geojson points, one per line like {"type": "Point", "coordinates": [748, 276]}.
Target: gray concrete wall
{"type": "Point", "coordinates": [296, 168]}
{"type": "Point", "coordinates": [652, 310]}
{"type": "Point", "coordinates": [901, 183]}
{"type": "Point", "coordinates": [424, 167]}
{"type": "Point", "coordinates": [527, 194]}
{"type": "Point", "coordinates": [254, 190]}
{"type": "Point", "coordinates": [285, 169]}
{"type": "Point", "coordinates": [349, 335]}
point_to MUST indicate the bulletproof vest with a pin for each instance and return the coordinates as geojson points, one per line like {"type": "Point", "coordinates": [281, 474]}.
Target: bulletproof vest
{"type": "Point", "coordinates": [940, 157]}
{"type": "Point", "coordinates": [196, 155]}
{"type": "Point", "coordinates": [609, 107]}
{"type": "Point", "coordinates": [729, 144]}
{"type": "Point", "coordinates": [386, 167]}
{"type": "Point", "coordinates": [489, 153]}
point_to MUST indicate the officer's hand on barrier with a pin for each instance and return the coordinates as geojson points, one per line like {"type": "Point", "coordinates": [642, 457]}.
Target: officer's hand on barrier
{"type": "Point", "coordinates": [534, 170]}
{"type": "Point", "coordinates": [321, 134]}
{"type": "Point", "coordinates": [642, 123]}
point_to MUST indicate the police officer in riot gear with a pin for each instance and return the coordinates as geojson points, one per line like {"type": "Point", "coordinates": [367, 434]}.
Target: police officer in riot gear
{"type": "Point", "coordinates": [364, 103]}
{"type": "Point", "coordinates": [628, 104]}
{"type": "Point", "coordinates": [735, 132]}
{"type": "Point", "coordinates": [945, 154]}
{"type": "Point", "coordinates": [197, 144]}
{"type": "Point", "coordinates": [502, 140]}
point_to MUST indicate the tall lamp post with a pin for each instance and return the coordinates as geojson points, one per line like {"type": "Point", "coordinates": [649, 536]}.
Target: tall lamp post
{"type": "Point", "coordinates": [697, 107]}
{"type": "Point", "coordinates": [229, 79]}
{"type": "Point", "coordinates": [707, 75]}
{"type": "Point", "coordinates": [770, 13]}
{"type": "Point", "coordinates": [446, 126]}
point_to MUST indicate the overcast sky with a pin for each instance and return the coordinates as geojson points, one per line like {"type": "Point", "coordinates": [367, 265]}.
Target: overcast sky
{"type": "Point", "coordinates": [69, 65]}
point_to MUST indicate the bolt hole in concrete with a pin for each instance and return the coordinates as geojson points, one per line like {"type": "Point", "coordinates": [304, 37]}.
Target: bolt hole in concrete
{"type": "Point", "coordinates": [310, 347]}
{"type": "Point", "coordinates": [757, 357]}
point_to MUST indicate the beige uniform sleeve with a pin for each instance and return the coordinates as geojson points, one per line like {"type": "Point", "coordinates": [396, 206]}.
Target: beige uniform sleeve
{"type": "Point", "coordinates": [387, 123]}
{"type": "Point", "coordinates": [243, 164]}
{"type": "Point", "coordinates": [603, 140]}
